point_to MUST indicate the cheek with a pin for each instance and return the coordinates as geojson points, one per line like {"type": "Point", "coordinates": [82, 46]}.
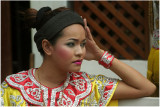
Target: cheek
{"type": "Point", "coordinates": [64, 53]}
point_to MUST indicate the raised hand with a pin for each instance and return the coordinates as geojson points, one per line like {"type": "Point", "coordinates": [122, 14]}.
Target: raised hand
{"type": "Point", "coordinates": [93, 52]}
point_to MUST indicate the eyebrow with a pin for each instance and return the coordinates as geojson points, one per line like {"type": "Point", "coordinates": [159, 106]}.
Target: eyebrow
{"type": "Point", "coordinates": [76, 39]}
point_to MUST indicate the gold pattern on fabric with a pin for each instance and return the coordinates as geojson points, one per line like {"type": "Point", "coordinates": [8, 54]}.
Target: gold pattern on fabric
{"type": "Point", "coordinates": [98, 95]}
{"type": "Point", "coordinates": [11, 96]}
{"type": "Point", "coordinates": [102, 90]}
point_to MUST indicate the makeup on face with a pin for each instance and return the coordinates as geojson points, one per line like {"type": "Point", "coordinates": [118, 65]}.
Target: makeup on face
{"type": "Point", "coordinates": [70, 48]}
{"type": "Point", "coordinates": [72, 42]}
{"type": "Point", "coordinates": [78, 62]}
{"type": "Point", "coordinates": [67, 50]}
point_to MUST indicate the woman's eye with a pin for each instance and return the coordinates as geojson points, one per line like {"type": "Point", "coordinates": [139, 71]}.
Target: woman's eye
{"type": "Point", "coordinates": [70, 44]}
{"type": "Point", "coordinates": [83, 44]}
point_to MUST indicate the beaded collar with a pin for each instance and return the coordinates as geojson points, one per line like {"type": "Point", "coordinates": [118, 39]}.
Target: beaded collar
{"type": "Point", "coordinates": [76, 87]}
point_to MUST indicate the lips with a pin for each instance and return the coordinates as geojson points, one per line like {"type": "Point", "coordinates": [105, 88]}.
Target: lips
{"type": "Point", "coordinates": [78, 62]}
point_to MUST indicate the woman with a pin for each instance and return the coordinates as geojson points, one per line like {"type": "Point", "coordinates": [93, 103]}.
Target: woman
{"type": "Point", "coordinates": [64, 40]}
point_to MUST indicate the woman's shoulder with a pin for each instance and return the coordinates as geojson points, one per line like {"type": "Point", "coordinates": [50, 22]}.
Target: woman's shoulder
{"type": "Point", "coordinates": [24, 72]}
{"type": "Point", "coordinates": [19, 79]}
{"type": "Point", "coordinates": [99, 77]}
{"type": "Point", "coordinates": [10, 96]}
{"type": "Point", "coordinates": [102, 86]}
{"type": "Point", "coordinates": [7, 87]}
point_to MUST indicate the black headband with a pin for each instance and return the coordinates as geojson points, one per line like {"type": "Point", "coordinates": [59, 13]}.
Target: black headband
{"type": "Point", "coordinates": [55, 25]}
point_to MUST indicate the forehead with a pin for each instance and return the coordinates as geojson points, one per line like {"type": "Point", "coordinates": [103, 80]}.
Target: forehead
{"type": "Point", "coordinates": [73, 31]}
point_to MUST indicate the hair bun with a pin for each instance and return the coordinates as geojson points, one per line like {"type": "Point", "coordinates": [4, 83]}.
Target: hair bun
{"type": "Point", "coordinates": [41, 16]}
{"type": "Point", "coordinates": [41, 13]}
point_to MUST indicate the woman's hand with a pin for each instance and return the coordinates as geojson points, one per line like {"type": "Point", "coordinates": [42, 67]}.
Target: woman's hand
{"type": "Point", "coordinates": [93, 52]}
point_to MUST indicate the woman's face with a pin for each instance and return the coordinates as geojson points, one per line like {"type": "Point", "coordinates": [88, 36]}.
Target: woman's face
{"type": "Point", "coordinates": [69, 50]}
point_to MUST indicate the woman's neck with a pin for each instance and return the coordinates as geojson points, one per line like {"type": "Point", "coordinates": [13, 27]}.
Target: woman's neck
{"type": "Point", "coordinates": [48, 75]}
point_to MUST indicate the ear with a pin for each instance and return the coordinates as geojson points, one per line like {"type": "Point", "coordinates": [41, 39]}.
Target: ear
{"type": "Point", "coordinates": [47, 47]}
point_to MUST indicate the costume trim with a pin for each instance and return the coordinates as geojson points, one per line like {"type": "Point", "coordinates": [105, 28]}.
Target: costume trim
{"type": "Point", "coordinates": [21, 87]}
{"type": "Point", "coordinates": [87, 92]}
{"type": "Point", "coordinates": [76, 88]}
{"type": "Point", "coordinates": [111, 95]}
{"type": "Point", "coordinates": [105, 88]}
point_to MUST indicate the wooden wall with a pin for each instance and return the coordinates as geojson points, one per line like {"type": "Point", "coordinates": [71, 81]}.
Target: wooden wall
{"type": "Point", "coordinates": [6, 53]}
{"type": "Point", "coordinates": [118, 26]}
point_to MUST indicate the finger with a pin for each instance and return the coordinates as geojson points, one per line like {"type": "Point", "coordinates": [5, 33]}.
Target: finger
{"type": "Point", "coordinates": [88, 32]}
{"type": "Point", "coordinates": [89, 35]}
{"type": "Point", "coordinates": [85, 23]}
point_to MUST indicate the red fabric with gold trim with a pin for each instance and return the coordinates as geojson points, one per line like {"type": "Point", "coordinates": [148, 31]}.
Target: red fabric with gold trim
{"type": "Point", "coordinates": [76, 88]}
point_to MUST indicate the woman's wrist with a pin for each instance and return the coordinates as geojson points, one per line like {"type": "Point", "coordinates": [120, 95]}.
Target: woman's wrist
{"type": "Point", "coordinates": [99, 55]}
{"type": "Point", "coordinates": [106, 60]}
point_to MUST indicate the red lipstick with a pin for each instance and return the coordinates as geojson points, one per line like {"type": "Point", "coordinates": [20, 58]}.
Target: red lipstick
{"type": "Point", "coordinates": [78, 62]}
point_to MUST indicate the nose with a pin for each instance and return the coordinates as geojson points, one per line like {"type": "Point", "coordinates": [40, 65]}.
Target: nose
{"type": "Point", "coordinates": [79, 51]}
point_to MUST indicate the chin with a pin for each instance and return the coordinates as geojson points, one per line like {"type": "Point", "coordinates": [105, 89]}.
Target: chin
{"type": "Point", "coordinates": [75, 70]}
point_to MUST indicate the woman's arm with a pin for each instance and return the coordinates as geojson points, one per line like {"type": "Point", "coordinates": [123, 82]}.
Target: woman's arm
{"type": "Point", "coordinates": [133, 84]}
